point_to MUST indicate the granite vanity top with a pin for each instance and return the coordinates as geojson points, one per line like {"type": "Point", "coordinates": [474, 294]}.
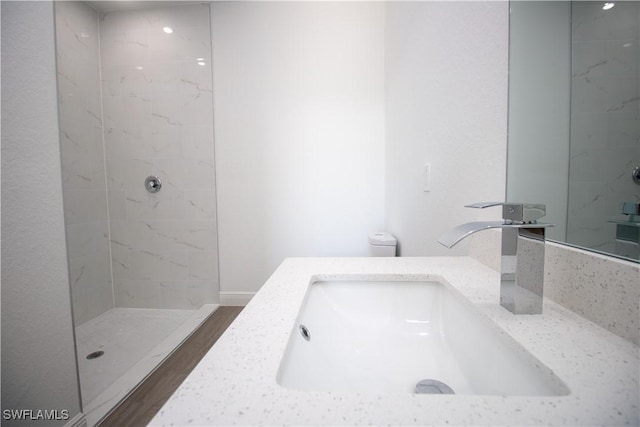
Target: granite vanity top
{"type": "Point", "coordinates": [235, 383]}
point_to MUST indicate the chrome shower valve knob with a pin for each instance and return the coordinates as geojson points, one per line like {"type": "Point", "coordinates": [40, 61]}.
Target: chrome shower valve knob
{"type": "Point", "coordinates": [153, 184]}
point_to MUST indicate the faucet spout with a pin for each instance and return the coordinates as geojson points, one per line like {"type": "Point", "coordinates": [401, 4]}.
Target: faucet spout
{"type": "Point", "coordinates": [455, 235]}
{"type": "Point", "coordinates": [522, 260]}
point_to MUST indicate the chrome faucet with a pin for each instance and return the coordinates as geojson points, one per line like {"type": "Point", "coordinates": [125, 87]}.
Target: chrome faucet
{"type": "Point", "coordinates": [522, 262]}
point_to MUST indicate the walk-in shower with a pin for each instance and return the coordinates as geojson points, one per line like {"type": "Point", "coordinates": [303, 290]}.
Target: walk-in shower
{"type": "Point", "coordinates": [136, 135]}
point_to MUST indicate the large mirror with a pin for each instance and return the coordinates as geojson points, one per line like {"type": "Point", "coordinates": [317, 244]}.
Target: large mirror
{"type": "Point", "coordinates": [574, 127]}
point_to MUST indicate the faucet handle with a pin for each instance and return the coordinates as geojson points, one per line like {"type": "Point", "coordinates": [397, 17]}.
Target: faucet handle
{"type": "Point", "coordinates": [515, 212]}
{"type": "Point", "coordinates": [523, 212]}
{"type": "Point", "coordinates": [482, 205]}
{"type": "Point", "coordinates": [631, 208]}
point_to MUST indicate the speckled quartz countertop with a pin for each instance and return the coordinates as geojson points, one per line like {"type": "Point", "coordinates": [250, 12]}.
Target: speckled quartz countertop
{"type": "Point", "coordinates": [235, 383]}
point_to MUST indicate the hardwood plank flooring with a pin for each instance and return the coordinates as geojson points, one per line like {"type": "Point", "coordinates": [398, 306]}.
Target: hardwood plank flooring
{"type": "Point", "coordinates": [142, 405]}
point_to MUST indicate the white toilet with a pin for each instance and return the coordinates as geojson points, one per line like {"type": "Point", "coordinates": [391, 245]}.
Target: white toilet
{"type": "Point", "coordinates": [382, 243]}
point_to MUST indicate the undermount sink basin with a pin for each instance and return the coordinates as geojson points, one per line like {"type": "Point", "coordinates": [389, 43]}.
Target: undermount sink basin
{"type": "Point", "coordinates": [405, 337]}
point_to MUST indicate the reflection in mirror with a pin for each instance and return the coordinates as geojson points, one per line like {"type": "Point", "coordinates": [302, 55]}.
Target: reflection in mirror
{"type": "Point", "coordinates": [574, 127]}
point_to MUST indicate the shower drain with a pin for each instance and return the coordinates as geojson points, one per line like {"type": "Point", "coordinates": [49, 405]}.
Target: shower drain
{"type": "Point", "coordinates": [95, 354]}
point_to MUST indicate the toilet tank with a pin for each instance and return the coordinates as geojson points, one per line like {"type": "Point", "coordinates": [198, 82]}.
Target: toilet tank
{"type": "Point", "coordinates": [382, 243]}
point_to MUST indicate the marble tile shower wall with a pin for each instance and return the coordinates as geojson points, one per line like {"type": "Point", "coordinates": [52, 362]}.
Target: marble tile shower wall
{"type": "Point", "coordinates": [605, 124]}
{"type": "Point", "coordinates": [82, 155]}
{"type": "Point", "coordinates": [158, 114]}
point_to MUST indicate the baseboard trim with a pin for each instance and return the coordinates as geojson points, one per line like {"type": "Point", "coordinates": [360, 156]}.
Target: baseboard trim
{"type": "Point", "coordinates": [236, 298]}
{"type": "Point", "coordinates": [78, 421]}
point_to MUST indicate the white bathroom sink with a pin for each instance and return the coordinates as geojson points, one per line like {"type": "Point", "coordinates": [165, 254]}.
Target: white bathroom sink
{"type": "Point", "coordinates": [389, 336]}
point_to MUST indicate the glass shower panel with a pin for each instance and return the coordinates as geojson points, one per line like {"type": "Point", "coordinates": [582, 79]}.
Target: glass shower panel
{"type": "Point", "coordinates": [135, 100]}
{"type": "Point", "coordinates": [82, 156]}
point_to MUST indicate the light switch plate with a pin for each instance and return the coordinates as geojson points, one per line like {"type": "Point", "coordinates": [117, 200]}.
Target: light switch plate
{"type": "Point", "coordinates": [427, 177]}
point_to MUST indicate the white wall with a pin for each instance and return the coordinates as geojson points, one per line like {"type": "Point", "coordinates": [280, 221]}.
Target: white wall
{"type": "Point", "coordinates": [539, 110]}
{"type": "Point", "coordinates": [446, 104]}
{"type": "Point", "coordinates": [38, 356]}
{"type": "Point", "coordinates": [299, 132]}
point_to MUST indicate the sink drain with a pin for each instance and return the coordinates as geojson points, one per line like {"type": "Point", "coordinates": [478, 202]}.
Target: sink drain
{"type": "Point", "coordinates": [305, 332]}
{"type": "Point", "coordinates": [95, 354]}
{"type": "Point", "coordinates": [433, 387]}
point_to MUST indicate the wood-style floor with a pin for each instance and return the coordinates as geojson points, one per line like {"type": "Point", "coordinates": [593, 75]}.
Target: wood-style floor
{"type": "Point", "coordinates": [142, 405]}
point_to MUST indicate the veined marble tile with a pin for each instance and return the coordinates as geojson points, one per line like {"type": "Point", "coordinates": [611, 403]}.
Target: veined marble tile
{"type": "Point", "coordinates": [165, 76]}
{"type": "Point", "coordinates": [197, 143]}
{"type": "Point", "coordinates": [166, 142]}
{"type": "Point", "coordinates": [203, 265]}
{"type": "Point", "coordinates": [117, 204]}
{"type": "Point", "coordinates": [136, 79]}
{"type": "Point", "coordinates": [159, 121]}
{"type": "Point", "coordinates": [129, 176]}
{"type": "Point", "coordinates": [112, 23]}
{"type": "Point", "coordinates": [623, 129]}
{"type": "Point", "coordinates": [589, 59]}
{"type": "Point", "coordinates": [129, 113]}
{"type": "Point", "coordinates": [157, 265]}
{"type": "Point", "coordinates": [127, 47]}
{"type": "Point", "coordinates": [186, 295]}
{"type": "Point", "coordinates": [589, 95]}
{"type": "Point", "coordinates": [183, 16]}
{"type": "Point", "coordinates": [152, 85]}
{"type": "Point", "coordinates": [173, 235]}
{"type": "Point", "coordinates": [127, 79]}
{"type": "Point", "coordinates": [173, 171]}
{"type": "Point", "coordinates": [137, 293]}
{"type": "Point", "coordinates": [136, 235]}
{"type": "Point", "coordinates": [170, 206]}
{"type": "Point", "coordinates": [89, 237]}
{"type": "Point", "coordinates": [197, 108]}
{"type": "Point", "coordinates": [167, 112]}
{"type": "Point", "coordinates": [193, 15]}
{"type": "Point", "coordinates": [185, 43]}
{"type": "Point", "coordinates": [90, 285]}
{"type": "Point", "coordinates": [202, 234]}
{"type": "Point", "coordinates": [200, 174]}
{"type": "Point", "coordinates": [195, 76]}
{"type": "Point", "coordinates": [590, 128]}
{"type": "Point", "coordinates": [89, 271]}
{"type": "Point", "coordinates": [84, 206]}
{"type": "Point", "coordinates": [82, 159]}
{"type": "Point", "coordinates": [136, 114]}
{"type": "Point", "coordinates": [120, 261]}
{"type": "Point", "coordinates": [586, 200]}
{"type": "Point", "coordinates": [110, 115]}
{"type": "Point", "coordinates": [623, 56]}
{"type": "Point", "coordinates": [590, 22]}
{"type": "Point", "coordinates": [623, 93]}
{"type": "Point", "coordinates": [200, 204]}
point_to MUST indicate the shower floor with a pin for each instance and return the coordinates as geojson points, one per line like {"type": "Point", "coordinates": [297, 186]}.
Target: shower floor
{"type": "Point", "coordinates": [134, 342]}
